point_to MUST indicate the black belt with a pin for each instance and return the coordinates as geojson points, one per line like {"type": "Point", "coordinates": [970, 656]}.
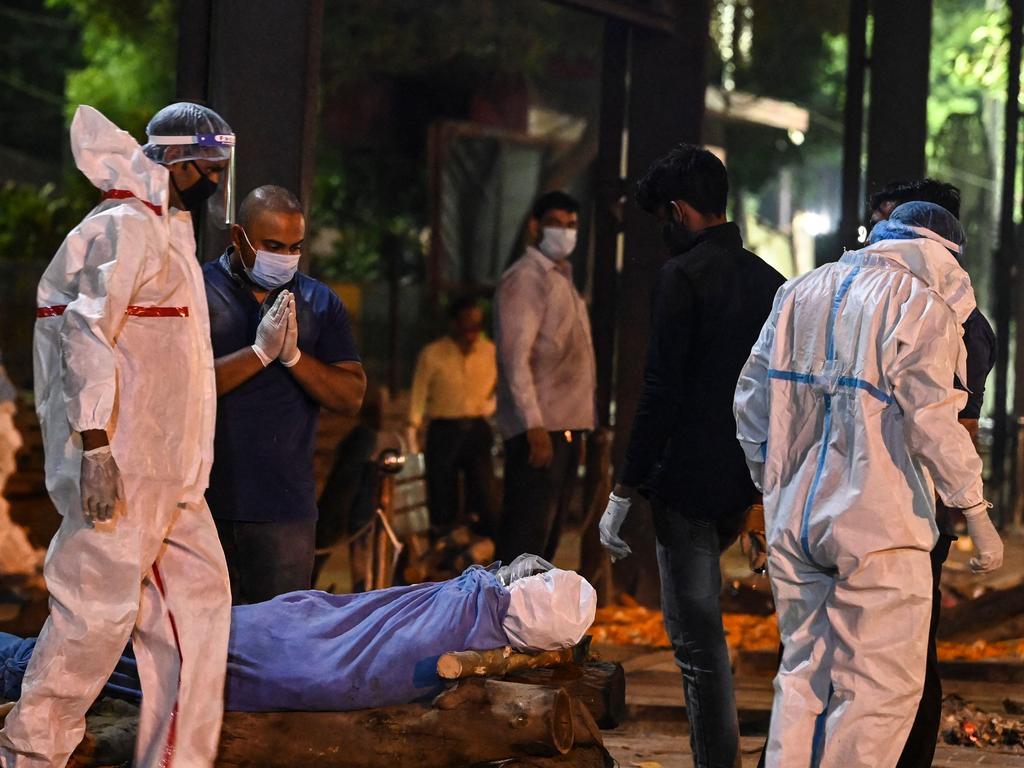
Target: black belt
{"type": "Point", "coordinates": [464, 423]}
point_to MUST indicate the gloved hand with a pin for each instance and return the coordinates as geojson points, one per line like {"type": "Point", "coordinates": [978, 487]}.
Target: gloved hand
{"type": "Point", "coordinates": [290, 353]}
{"type": "Point", "coordinates": [986, 540]}
{"type": "Point", "coordinates": [101, 485]}
{"type": "Point", "coordinates": [611, 521]}
{"type": "Point", "coordinates": [753, 541]}
{"type": "Point", "coordinates": [272, 329]}
{"type": "Point", "coordinates": [524, 565]}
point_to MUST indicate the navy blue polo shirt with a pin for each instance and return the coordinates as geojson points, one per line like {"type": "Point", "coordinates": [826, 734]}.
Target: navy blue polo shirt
{"type": "Point", "coordinates": [266, 428]}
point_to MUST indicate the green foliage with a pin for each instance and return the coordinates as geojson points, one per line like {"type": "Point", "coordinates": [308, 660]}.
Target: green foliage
{"type": "Point", "coordinates": [413, 37]}
{"type": "Point", "coordinates": [366, 203]}
{"type": "Point", "coordinates": [373, 198]}
{"type": "Point", "coordinates": [799, 56]}
{"type": "Point", "coordinates": [37, 46]}
{"type": "Point", "coordinates": [125, 68]}
{"type": "Point", "coordinates": [129, 47]}
{"type": "Point", "coordinates": [968, 62]}
{"type": "Point", "coordinates": [793, 54]}
{"type": "Point", "coordinates": [36, 219]}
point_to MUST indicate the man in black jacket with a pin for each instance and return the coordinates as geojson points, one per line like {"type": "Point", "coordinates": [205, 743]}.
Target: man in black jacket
{"type": "Point", "coordinates": [711, 299]}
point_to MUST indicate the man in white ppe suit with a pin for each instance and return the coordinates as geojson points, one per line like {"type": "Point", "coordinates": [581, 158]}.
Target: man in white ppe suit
{"type": "Point", "coordinates": [125, 394]}
{"type": "Point", "coordinates": [847, 415]}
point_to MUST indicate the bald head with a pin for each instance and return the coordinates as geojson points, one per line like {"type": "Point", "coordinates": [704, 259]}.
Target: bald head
{"type": "Point", "coordinates": [269, 219]}
{"type": "Point", "coordinates": [267, 199]}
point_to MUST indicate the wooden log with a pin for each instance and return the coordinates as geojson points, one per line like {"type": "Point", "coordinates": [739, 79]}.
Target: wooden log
{"type": "Point", "coordinates": [588, 751]}
{"type": "Point", "coordinates": [501, 661]}
{"type": "Point", "coordinates": [110, 735]}
{"type": "Point", "coordinates": [600, 685]}
{"type": "Point", "coordinates": [971, 619]}
{"type": "Point", "coordinates": [477, 722]}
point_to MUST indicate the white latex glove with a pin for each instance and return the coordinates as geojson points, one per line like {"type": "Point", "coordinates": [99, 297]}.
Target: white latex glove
{"type": "Point", "coordinates": [100, 484]}
{"type": "Point", "coordinates": [290, 353]}
{"type": "Point", "coordinates": [986, 540]}
{"type": "Point", "coordinates": [271, 331]}
{"type": "Point", "coordinates": [611, 521]}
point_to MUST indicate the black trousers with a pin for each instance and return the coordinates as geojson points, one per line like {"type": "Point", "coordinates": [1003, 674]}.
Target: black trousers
{"type": "Point", "coordinates": [267, 559]}
{"type": "Point", "coordinates": [536, 501]}
{"type": "Point", "coordinates": [460, 447]}
{"type": "Point", "coordinates": [919, 751]}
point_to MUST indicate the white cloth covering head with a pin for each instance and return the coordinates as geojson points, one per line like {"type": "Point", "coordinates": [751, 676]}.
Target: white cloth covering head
{"type": "Point", "coordinates": [549, 611]}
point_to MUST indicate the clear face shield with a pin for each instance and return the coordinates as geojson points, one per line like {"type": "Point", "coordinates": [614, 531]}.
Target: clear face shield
{"type": "Point", "coordinates": [214, 147]}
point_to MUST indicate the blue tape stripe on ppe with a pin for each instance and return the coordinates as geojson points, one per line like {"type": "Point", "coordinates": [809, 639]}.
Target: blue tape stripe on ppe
{"type": "Point", "coordinates": [818, 738]}
{"type": "Point", "coordinates": [871, 389]}
{"type": "Point", "coordinates": [802, 378]}
{"type": "Point", "coordinates": [818, 471]}
{"type": "Point", "coordinates": [830, 344]}
{"type": "Point", "coordinates": [843, 381]}
{"type": "Point", "coordinates": [827, 426]}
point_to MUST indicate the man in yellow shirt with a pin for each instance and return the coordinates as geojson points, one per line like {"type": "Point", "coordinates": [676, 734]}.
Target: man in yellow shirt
{"type": "Point", "coordinates": [453, 389]}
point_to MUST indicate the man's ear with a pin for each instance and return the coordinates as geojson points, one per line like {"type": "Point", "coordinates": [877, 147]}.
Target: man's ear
{"type": "Point", "coordinates": [532, 229]}
{"type": "Point", "coordinates": [676, 211]}
{"type": "Point", "coordinates": [236, 236]}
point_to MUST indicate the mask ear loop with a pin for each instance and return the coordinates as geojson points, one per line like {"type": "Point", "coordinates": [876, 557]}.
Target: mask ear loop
{"type": "Point", "coordinates": [199, 170]}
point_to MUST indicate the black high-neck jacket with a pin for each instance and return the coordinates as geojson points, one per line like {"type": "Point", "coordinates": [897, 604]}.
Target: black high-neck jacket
{"type": "Point", "coordinates": [710, 302]}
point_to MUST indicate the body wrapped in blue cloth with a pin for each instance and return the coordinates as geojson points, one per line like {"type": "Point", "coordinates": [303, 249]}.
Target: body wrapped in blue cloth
{"type": "Point", "coordinates": [316, 651]}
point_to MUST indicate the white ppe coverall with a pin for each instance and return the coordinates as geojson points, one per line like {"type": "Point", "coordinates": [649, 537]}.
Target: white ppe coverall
{"type": "Point", "coordinates": [848, 417]}
{"type": "Point", "coordinates": [122, 343]}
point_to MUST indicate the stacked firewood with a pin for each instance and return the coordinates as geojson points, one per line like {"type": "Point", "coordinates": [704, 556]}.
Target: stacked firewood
{"type": "Point", "coordinates": [502, 706]}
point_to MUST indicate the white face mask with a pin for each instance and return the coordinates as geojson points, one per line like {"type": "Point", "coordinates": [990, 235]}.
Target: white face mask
{"type": "Point", "coordinates": [557, 243]}
{"type": "Point", "coordinates": [271, 270]}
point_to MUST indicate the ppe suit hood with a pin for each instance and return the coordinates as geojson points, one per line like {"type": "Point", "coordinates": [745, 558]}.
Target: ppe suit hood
{"type": "Point", "coordinates": [112, 160]}
{"type": "Point", "coordinates": [931, 263]}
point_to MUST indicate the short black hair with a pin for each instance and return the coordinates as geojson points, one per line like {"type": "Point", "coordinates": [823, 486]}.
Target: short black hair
{"type": "Point", "coordinates": [688, 173]}
{"type": "Point", "coordinates": [268, 198]}
{"type": "Point", "coordinates": [460, 304]}
{"type": "Point", "coordinates": [925, 190]}
{"type": "Point", "coordinates": [555, 200]}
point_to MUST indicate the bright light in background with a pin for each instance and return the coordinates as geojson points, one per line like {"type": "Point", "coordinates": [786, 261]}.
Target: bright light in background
{"type": "Point", "coordinates": [796, 136]}
{"type": "Point", "coordinates": [815, 224]}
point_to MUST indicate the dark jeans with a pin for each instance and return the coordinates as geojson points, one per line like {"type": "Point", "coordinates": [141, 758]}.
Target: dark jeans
{"type": "Point", "coordinates": [691, 581]}
{"type": "Point", "coordinates": [460, 447]}
{"type": "Point", "coordinates": [536, 501]}
{"type": "Point", "coordinates": [267, 559]}
{"type": "Point", "coordinates": [919, 751]}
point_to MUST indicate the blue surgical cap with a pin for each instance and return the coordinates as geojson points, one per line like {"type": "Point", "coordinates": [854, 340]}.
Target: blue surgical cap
{"type": "Point", "coordinates": [919, 219]}
{"type": "Point", "coordinates": [201, 133]}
